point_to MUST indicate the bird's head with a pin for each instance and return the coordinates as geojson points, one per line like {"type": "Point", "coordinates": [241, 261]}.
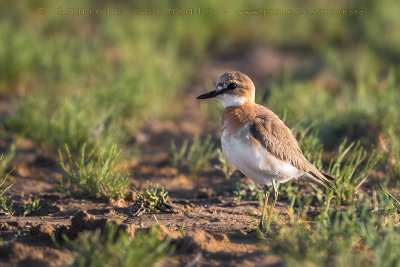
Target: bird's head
{"type": "Point", "coordinates": [232, 89]}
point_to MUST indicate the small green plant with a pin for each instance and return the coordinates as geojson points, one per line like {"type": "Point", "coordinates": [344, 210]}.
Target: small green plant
{"type": "Point", "coordinates": [6, 205]}
{"type": "Point", "coordinates": [115, 247]}
{"type": "Point", "coordinates": [99, 177]}
{"type": "Point", "coordinates": [246, 191]}
{"type": "Point", "coordinates": [54, 239]}
{"type": "Point", "coordinates": [18, 233]}
{"type": "Point", "coordinates": [29, 208]}
{"type": "Point", "coordinates": [181, 229]}
{"type": "Point", "coordinates": [351, 169]}
{"type": "Point", "coordinates": [6, 158]}
{"type": "Point", "coordinates": [396, 202]}
{"type": "Point", "coordinates": [153, 199]}
{"type": "Point", "coordinates": [3, 189]}
{"type": "Point", "coordinates": [195, 158]}
{"type": "Point", "coordinates": [224, 165]}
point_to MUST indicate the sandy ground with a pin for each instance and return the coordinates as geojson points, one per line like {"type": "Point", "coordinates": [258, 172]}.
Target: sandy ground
{"type": "Point", "coordinates": [217, 229]}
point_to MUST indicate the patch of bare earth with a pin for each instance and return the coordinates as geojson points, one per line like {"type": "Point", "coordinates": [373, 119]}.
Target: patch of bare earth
{"type": "Point", "coordinates": [217, 229]}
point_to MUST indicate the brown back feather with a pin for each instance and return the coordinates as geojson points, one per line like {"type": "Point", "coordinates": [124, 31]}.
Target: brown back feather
{"type": "Point", "coordinates": [274, 136]}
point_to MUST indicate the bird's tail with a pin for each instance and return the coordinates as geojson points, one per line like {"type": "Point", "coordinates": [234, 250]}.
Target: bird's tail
{"type": "Point", "coordinates": [319, 178]}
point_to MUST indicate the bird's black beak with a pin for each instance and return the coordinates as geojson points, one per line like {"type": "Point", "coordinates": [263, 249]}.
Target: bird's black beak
{"type": "Point", "coordinates": [209, 95]}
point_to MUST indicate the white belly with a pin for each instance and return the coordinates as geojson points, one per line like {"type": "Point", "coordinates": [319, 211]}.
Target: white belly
{"type": "Point", "coordinates": [255, 162]}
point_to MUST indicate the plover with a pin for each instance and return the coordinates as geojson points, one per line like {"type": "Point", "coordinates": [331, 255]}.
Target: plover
{"type": "Point", "coordinates": [256, 141]}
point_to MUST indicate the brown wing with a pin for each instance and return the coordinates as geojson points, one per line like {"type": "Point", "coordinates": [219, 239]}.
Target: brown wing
{"type": "Point", "coordinates": [274, 136]}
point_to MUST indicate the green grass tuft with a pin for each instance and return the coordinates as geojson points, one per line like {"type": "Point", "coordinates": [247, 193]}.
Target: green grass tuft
{"type": "Point", "coordinates": [224, 166]}
{"type": "Point", "coordinates": [29, 208]}
{"type": "Point", "coordinates": [194, 158]}
{"type": "Point", "coordinates": [351, 169]}
{"type": "Point", "coordinates": [114, 247]}
{"type": "Point", "coordinates": [153, 199]}
{"type": "Point", "coordinates": [357, 235]}
{"type": "Point", "coordinates": [6, 206]}
{"type": "Point", "coordinates": [247, 191]}
{"type": "Point", "coordinates": [6, 158]}
{"type": "Point", "coordinates": [97, 177]}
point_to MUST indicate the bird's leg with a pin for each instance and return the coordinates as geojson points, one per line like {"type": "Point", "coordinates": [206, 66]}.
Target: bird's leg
{"type": "Point", "coordinates": [264, 209]}
{"type": "Point", "coordinates": [274, 202]}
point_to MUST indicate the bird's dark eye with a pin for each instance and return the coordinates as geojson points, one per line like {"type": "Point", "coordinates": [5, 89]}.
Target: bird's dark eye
{"type": "Point", "coordinates": [232, 86]}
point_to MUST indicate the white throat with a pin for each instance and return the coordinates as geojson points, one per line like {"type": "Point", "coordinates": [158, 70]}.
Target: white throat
{"type": "Point", "coordinates": [228, 100]}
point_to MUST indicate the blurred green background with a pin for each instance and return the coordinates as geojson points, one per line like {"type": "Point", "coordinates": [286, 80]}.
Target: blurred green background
{"type": "Point", "coordinates": [95, 78]}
